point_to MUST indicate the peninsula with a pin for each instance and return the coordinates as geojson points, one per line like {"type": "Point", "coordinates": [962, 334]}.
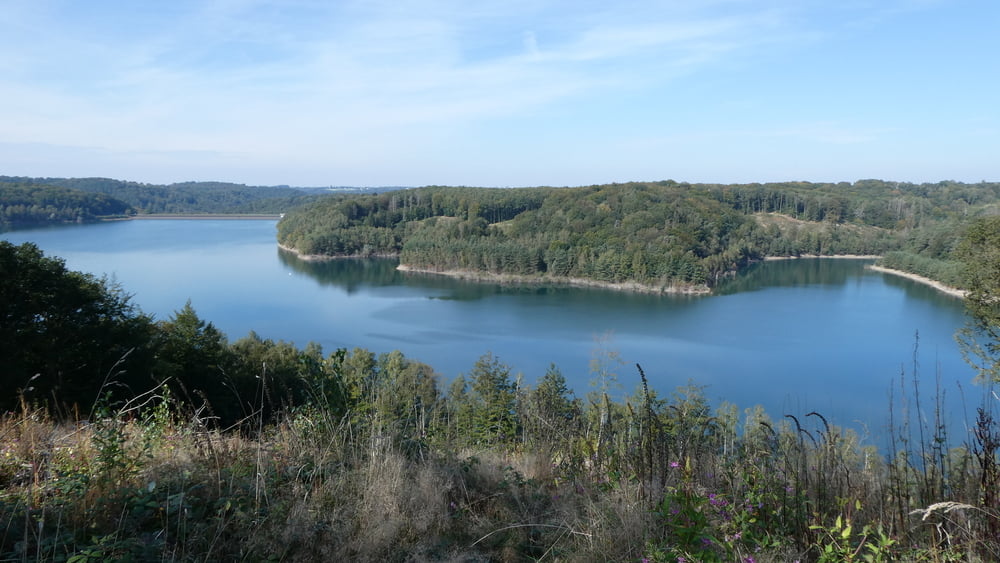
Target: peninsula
{"type": "Point", "coordinates": [661, 237]}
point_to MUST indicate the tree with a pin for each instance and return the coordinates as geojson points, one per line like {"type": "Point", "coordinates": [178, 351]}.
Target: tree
{"type": "Point", "coordinates": [275, 375]}
{"type": "Point", "coordinates": [979, 252]}
{"type": "Point", "coordinates": [65, 335]}
{"type": "Point", "coordinates": [552, 415]}
{"type": "Point", "coordinates": [494, 397]}
{"type": "Point", "coordinates": [194, 355]}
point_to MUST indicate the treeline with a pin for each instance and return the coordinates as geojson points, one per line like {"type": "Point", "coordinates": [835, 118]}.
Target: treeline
{"type": "Point", "coordinates": [33, 204]}
{"type": "Point", "coordinates": [185, 197]}
{"type": "Point", "coordinates": [655, 234]}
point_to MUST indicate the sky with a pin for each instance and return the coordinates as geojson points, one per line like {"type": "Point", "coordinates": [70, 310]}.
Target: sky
{"type": "Point", "coordinates": [500, 93]}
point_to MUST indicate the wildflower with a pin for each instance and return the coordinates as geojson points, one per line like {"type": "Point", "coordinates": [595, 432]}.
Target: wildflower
{"type": "Point", "coordinates": [675, 464]}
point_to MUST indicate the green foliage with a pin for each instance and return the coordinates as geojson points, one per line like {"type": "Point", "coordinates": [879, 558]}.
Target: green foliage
{"type": "Point", "coordinates": [658, 235]}
{"type": "Point", "coordinates": [65, 334]}
{"type": "Point", "coordinates": [186, 197]}
{"type": "Point", "coordinates": [979, 252]}
{"type": "Point", "coordinates": [493, 395]}
{"type": "Point", "coordinates": [841, 542]}
{"type": "Point", "coordinates": [551, 416]}
{"type": "Point", "coordinates": [32, 204]}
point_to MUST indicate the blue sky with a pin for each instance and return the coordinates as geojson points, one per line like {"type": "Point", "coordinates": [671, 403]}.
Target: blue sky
{"type": "Point", "coordinates": [505, 93]}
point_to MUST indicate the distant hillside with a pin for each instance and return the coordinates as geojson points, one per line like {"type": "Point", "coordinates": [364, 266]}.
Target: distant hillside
{"type": "Point", "coordinates": [186, 197]}
{"type": "Point", "coordinates": [36, 204]}
{"type": "Point", "coordinates": [661, 236]}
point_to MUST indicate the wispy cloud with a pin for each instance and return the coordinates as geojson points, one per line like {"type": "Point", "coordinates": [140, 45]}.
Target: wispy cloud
{"type": "Point", "coordinates": [345, 84]}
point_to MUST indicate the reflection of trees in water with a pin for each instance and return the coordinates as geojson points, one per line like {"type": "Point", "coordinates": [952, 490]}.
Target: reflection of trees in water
{"type": "Point", "coordinates": [792, 273]}
{"type": "Point", "coordinates": [827, 272]}
{"type": "Point", "coordinates": [348, 273]}
{"type": "Point", "coordinates": [922, 291]}
{"type": "Point", "coordinates": [355, 273]}
{"type": "Point", "coordinates": [352, 274]}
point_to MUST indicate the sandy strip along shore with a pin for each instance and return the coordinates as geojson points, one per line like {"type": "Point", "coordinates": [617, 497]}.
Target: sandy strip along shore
{"type": "Point", "coordinates": [953, 291]}
{"type": "Point", "coordinates": [233, 216]}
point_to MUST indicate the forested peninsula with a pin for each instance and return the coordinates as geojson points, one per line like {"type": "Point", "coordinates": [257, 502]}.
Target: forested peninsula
{"type": "Point", "coordinates": [653, 236]}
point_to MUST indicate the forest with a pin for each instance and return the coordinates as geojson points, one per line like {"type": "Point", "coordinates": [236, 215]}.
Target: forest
{"type": "Point", "coordinates": [661, 236]}
{"type": "Point", "coordinates": [186, 197]}
{"type": "Point", "coordinates": [131, 438]}
{"type": "Point", "coordinates": [32, 204]}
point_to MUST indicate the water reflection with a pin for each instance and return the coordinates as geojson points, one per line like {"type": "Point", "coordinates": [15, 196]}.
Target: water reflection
{"type": "Point", "coordinates": [355, 274]}
{"type": "Point", "coordinates": [351, 274]}
{"type": "Point", "coordinates": [795, 273]}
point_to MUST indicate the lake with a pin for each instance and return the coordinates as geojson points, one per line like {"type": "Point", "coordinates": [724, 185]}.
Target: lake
{"type": "Point", "coordinates": [794, 336]}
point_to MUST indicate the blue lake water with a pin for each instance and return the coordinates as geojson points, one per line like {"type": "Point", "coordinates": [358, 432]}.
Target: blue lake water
{"type": "Point", "coordinates": [794, 336]}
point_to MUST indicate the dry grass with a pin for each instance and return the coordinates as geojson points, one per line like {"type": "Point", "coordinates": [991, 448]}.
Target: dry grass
{"type": "Point", "coordinates": [313, 489]}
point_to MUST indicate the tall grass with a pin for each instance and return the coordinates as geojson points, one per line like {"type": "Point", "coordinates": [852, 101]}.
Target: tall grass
{"type": "Point", "coordinates": [647, 478]}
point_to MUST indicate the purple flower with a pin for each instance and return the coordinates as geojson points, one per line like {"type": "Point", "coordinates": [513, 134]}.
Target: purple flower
{"type": "Point", "coordinates": [675, 464]}
{"type": "Point", "coordinates": [715, 501]}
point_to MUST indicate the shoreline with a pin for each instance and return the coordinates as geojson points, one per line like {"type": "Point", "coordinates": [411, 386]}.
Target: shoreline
{"type": "Point", "coordinates": [186, 216]}
{"type": "Point", "coordinates": [326, 257]}
{"type": "Point", "coordinates": [514, 279]}
{"type": "Point", "coordinates": [946, 289]}
{"type": "Point", "coordinates": [826, 256]}
{"type": "Point", "coordinates": [692, 290]}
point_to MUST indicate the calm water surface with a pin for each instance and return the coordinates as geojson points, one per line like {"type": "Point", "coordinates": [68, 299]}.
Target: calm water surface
{"type": "Point", "coordinates": [793, 336]}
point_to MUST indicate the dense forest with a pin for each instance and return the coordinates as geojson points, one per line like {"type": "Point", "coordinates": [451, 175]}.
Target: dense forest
{"type": "Point", "coordinates": [186, 197]}
{"type": "Point", "coordinates": [130, 438]}
{"type": "Point", "coordinates": [33, 204]}
{"type": "Point", "coordinates": [658, 235]}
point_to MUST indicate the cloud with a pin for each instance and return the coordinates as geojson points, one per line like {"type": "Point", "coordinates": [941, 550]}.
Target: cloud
{"type": "Point", "coordinates": [310, 84]}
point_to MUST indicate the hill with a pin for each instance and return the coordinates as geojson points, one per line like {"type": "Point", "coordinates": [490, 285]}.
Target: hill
{"type": "Point", "coordinates": [34, 204]}
{"type": "Point", "coordinates": [186, 197]}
